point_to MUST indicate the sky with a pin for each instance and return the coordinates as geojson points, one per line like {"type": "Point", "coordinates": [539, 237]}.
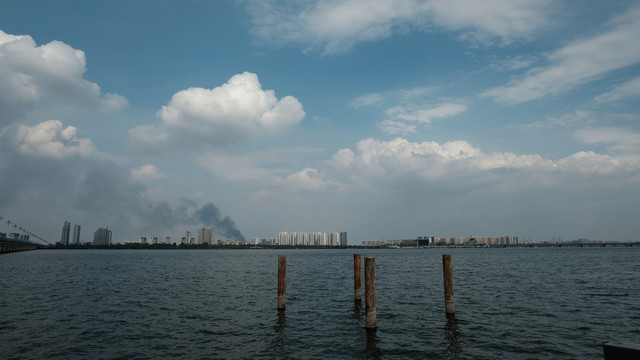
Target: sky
{"type": "Point", "coordinates": [387, 119]}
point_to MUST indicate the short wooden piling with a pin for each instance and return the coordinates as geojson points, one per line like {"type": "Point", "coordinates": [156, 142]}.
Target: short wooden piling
{"type": "Point", "coordinates": [357, 277]}
{"type": "Point", "coordinates": [370, 292]}
{"type": "Point", "coordinates": [447, 271]}
{"type": "Point", "coordinates": [282, 281]}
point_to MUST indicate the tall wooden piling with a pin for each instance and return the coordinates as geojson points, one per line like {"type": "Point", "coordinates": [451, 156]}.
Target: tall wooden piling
{"type": "Point", "coordinates": [357, 277]}
{"type": "Point", "coordinates": [447, 271]}
{"type": "Point", "coordinates": [282, 281]}
{"type": "Point", "coordinates": [370, 292]}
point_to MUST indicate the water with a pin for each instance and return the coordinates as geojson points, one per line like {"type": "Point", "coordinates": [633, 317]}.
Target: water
{"type": "Point", "coordinates": [529, 303]}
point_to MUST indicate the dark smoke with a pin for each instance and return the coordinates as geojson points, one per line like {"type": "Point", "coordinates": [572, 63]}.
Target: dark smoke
{"type": "Point", "coordinates": [107, 194]}
{"type": "Point", "coordinates": [209, 215]}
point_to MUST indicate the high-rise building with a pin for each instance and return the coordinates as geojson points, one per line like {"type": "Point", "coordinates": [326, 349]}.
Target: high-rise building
{"type": "Point", "coordinates": [343, 238]}
{"type": "Point", "coordinates": [167, 240]}
{"type": "Point", "coordinates": [102, 236]}
{"type": "Point", "coordinates": [283, 238]}
{"type": "Point", "coordinates": [334, 239]}
{"type": "Point", "coordinates": [206, 236]}
{"type": "Point", "coordinates": [66, 228]}
{"type": "Point", "coordinates": [76, 234]}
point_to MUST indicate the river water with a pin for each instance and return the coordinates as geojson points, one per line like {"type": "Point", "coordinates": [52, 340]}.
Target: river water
{"type": "Point", "coordinates": [511, 303]}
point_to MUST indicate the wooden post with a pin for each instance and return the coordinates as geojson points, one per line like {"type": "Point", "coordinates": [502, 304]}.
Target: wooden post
{"type": "Point", "coordinates": [282, 281]}
{"type": "Point", "coordinates": [447, 271]}
{"type": "Point", "coordinates": [357, 277]}
{"type": "Point", "coordinates": [370, 292]}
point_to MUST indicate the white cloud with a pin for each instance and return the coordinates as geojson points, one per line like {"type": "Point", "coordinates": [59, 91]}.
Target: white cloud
{"type": "Point", "coordinates": [147, 172]}
{"type": "Point", "coordinates": [617, 139]}
{"type": "Point", "coordinates": [630, 89]}
{"type": "Point", "coordinates": [505, 20]}
{"type": "Point", "coordinates": [588, 162]}
{"type": "Point", "coordinates": [50, 140]}
{"type": "Point", "coordinates": [343, 158]}
{"type": "Point", "coordinates": [113, 102]}
{"type": "Point", "coordinates": [424, 114]}
{"type": "Point", "coordinates": [336, 26]}
{"type": "Point", "coordinates": [513, 63]}
{"type": "Point", "coordinates": [397, 127]}
{"type": "Point", "coordinates": [577, 116]}
{"type": "Point", "coordinates": [408, 105]}
{"type": "Point", "coordinates": [401, 95]}
{"type": "Point", "coordinates": [399, 158]}
{"type": "Point", "coordinates": [29, 72]}
{"type": "Point", "coordinates": [577, 63]}
{"type": "Point", "coordinates": [367, 100]}
{"type": "Point", "coordinates": [399, 118]}
{"type": "Point", "coordinates": [234, 111]}
{"type": "Point", "coordinates": [308, 179]}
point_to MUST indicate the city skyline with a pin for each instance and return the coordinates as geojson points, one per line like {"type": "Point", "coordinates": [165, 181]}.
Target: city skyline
{"type": "Point", "coordinates": [207, 236]}
{"type": "Point", "coordinates": [385, 119]}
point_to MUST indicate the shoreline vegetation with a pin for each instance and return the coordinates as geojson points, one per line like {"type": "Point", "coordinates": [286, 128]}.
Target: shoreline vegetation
{"type": "Point", "coordinates": [146, 246]}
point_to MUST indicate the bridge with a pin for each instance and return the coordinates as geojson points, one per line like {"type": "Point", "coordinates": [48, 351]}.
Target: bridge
{"type": "Point", "coordinates": [19, 240]}
{"type": "Point", "coordinates": [11, 245]}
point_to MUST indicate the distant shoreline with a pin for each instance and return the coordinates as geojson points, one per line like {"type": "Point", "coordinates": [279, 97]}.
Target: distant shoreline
{"type": "Point", "coordinates": [131, 246]}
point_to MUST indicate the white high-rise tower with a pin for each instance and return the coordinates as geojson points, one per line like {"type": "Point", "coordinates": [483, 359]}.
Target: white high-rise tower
{"type": "Point", "coordinates": [66, 228]}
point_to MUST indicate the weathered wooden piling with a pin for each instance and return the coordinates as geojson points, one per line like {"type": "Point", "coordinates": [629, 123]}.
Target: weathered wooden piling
{"type": "Point", "coordinates": [282, 281]}
{"type": "Point", "coordinates": [357, 277]}
{"type": "Point", "coordinates": [370, 292]}
{"type": "Point", "coordinates": [447, 271]}
{"type": "Point", "coordinates": [621, 351]}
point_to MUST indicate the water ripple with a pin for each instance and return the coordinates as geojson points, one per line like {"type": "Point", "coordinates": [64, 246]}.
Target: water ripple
{"type": "Point", "coordinates": [510, 303]}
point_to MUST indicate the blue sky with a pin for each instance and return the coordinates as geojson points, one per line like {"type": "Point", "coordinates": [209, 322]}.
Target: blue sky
{"type": "Point", "coordinates": [385, 119]}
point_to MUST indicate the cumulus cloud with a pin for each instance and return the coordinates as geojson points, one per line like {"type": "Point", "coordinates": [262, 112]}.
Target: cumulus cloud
{"type": "Point", "coordinates": [588, 162]}
{"type": "Point", "coordinates": [237, 110]}
{"type": "Point", "coordinates": [577, 63]}
{"type": "Point", "coordinates": [335, 26]}
{"type": "Point", "coordinates": [376, 159]}
{"type": "Point", "coordinates": [49, 139]}
{"type": "Point", "coordinates": [29, 72]}
{"type": "Point", "coordinates": [113, 102]}
{"type": "Point", "coordinates": [147, 172]}
{"type": "Point", "coordinates": [308, 179]}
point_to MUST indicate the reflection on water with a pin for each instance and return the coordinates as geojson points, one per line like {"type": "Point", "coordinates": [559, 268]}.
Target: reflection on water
{"type": "Point", "coordinates": [372, 344]}
{"type": "Point", "coordinates": [358, 314]}
{"type": "Point", "coordinates": [279, 341]}
{"type": "Point", "coordinates": [451, 332]}
{"type": "Point", "coordinates": [371, 347]}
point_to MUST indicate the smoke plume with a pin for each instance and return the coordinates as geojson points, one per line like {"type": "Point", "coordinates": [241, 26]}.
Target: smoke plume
{"type": "Point", "coordinates": [209, 215]}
